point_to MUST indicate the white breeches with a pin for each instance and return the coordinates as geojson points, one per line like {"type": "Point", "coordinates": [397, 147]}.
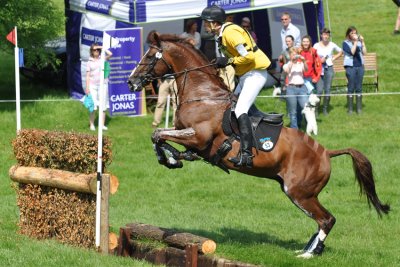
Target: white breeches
{"type": "Point", "coordinates": [95, 92]}
{"type": "Point", "coordinates": [250, 84]}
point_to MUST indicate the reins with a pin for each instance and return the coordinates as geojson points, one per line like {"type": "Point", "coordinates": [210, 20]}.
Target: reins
{"type": "Point", "coordinates": [159, 56]}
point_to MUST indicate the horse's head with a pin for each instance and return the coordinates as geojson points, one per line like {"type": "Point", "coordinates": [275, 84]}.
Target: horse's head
{"type": "Point", "coordinates": [152, 65]}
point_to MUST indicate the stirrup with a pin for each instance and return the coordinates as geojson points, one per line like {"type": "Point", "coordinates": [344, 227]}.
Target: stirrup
{"type": "Point", "coordinates": [243, 159]}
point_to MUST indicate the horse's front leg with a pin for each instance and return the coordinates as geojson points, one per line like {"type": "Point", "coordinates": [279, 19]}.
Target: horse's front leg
{"type": "Point", "coordinates": [168, 155]}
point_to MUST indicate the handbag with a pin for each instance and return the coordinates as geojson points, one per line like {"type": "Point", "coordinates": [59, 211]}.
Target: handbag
{"type": "Point", "coordinates": [88, 102]}
{"type": "Point", "coordinates": [397, 2]}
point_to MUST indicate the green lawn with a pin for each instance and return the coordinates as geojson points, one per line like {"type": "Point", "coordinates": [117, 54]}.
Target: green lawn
{"type": "Point", "coordinates": [250, 219]}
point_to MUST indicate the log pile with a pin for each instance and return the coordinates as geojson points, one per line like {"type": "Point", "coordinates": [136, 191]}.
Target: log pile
{"type": "Point", "coordinates": [174, 248]}
{"type": "Point", "coordinates": [57, 184]}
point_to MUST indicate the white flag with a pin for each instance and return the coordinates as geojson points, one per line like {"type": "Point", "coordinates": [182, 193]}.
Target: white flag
{"type": "Point", "coordinates": [109, 42]}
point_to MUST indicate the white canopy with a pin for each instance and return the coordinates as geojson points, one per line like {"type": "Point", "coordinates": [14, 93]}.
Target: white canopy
{"type": "Point", "coordinates": [144, 11]}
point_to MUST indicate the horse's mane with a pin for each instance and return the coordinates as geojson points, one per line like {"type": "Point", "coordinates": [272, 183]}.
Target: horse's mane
{"type": "Point", "coordinates": [185, 42]}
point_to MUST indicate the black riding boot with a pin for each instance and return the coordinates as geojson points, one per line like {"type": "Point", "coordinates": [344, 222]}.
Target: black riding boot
{"type": "Point", "coordinates": [245, 156]}
{"type": "Point", "coordinates": [358, 103]}
{"type": "Point", "coordinates": [349, 104]}
{"type": "Point", "coordinates": [325, 107]}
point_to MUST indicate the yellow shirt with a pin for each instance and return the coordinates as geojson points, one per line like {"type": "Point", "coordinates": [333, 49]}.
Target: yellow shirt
{"type": "Point", "coordinates": [234, 35]}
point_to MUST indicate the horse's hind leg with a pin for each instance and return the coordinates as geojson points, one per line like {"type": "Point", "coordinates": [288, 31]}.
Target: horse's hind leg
{"type": "Point", "coordinates": [324, 219]}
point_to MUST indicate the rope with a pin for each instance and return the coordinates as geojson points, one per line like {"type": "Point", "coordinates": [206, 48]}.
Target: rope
{"type": "Point", "coordinates": [156, 97]}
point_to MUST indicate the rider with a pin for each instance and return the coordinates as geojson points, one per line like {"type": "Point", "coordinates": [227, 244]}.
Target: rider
{"type": "Point", "coordinates": [250, 65]}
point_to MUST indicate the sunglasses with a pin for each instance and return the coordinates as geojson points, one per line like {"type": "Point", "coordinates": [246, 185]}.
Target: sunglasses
{"type": "Point", "coordinates": [98, 49]}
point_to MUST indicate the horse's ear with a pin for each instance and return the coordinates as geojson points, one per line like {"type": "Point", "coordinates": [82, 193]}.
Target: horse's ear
{"type": "Point", "coordinates": [153, 38]}
{"type": "Point", "coordinates": [157, 39]}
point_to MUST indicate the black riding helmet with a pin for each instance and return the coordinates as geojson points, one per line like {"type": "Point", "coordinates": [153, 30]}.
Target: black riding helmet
{"type": "Point", "coordinates": [213, 13]}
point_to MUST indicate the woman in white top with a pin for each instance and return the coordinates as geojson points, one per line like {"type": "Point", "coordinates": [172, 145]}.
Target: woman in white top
{"type": "Point", "coordinates": [192, 33]}
{"type": "Point", "coordinates": [326, 49]}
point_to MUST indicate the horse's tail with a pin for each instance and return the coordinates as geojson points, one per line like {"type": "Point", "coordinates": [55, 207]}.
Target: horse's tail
{"type": "Point", "coordinates": [363, 171]}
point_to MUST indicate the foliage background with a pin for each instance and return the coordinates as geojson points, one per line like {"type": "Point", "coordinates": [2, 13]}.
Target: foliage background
{"type": "Point", "coordinates": [37, 21]}
{"type": "Point", "coordinates": [250, 219]}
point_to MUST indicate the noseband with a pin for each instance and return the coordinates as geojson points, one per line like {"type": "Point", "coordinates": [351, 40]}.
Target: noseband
{"type": "Point", "coordinates": [150, 76]}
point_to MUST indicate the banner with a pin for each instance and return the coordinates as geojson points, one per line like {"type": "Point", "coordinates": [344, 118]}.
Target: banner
{"type": "Point", "coordinates": [127, 51]}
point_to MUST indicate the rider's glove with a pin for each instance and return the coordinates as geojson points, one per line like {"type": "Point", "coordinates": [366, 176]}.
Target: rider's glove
{"type": "Point", "coordinates": [222, 62]}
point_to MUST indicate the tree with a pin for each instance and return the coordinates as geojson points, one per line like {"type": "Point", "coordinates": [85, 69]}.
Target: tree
{"type": "Point", "coordinates": [38, 21]}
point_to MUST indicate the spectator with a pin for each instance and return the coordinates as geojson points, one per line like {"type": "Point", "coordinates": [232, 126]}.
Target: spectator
{"type": "Point", "coordinates": [284, 58]}
{"type": "Point", "coordinates": [250, 65]}
{"type": "Point", "coordinates": [326, 49]}
{"type": "Point", "coordinates": [246, 24]}
{"type": "Point", "coordinates": [93, 72]}
{"type": "Point", "coordinates": [192, 33]}
{"type": "Point", "coordinates": [289, 29]}
{"type": "Point", "coordinates": [397, 25]}
{"type": "Point", "coordinates": [166, 87]}
{"type": "Point", "coordinates": [354, 50]}
{"type": "Point", "coordinates": [230, 18]}
{"type": "Point", "coordinates": [314, 65]}
{"type": "Point", "coordinates": [314, 68]}
{"type": "Point", "coordinates": [296, 92]}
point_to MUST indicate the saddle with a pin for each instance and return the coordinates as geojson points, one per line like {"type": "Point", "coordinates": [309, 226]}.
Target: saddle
{"type": "Point", "coordinates": [266, 128]}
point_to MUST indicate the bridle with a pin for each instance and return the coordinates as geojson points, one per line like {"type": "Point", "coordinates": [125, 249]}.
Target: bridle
{"type": "Point", "coordinates": [150, 75]}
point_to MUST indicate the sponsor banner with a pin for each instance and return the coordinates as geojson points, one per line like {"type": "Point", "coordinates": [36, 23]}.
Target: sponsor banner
{"type": "Point", "coordinates": [99, 6]}
{"type": "Point", "coordinates": [89, 36]}
{"type": "Point", "coordinates": [127, 51]}
{"type": "Point", "coordinates": [230, 4]}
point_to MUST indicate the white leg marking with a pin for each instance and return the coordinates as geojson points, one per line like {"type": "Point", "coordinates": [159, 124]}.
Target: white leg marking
{"type": "Point", "coordinates": [309, 253]}
{"type": "Point", "coordinates": [321, 235]}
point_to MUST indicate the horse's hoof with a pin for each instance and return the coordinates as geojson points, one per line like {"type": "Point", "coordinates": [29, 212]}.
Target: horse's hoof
{"type": "Point", "coordinates": [173, 163]}
{"type": "Point", "coordinates": [305, 255]}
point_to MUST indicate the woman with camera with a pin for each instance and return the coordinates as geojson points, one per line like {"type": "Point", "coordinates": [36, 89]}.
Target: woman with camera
{"type": "Point", "coordinates": [296, 92]}
{"type": "Point", "coordinates": [328, 52]}
{"type": "Point", "coordinates": [354, 50]}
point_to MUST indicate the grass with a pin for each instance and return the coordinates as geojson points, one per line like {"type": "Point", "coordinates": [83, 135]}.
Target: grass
{"type": "Point", "coordinates": [250, 219]}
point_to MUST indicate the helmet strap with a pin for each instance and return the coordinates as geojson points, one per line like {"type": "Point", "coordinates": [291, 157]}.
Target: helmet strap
{"type": "Point", "coordinates": [215, 27]}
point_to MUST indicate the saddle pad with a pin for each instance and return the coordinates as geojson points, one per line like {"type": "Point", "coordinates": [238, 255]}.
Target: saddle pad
{"type": "Point", "coordinates": [267, 135]}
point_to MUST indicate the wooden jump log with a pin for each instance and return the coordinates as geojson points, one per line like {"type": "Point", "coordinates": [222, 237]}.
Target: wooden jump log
{"type": "Point", "coordinates": [170, 256]}
{"type": "Point", "coordinates": [172, 238]}
{"type": "Point", "coordinates": [77, 182]}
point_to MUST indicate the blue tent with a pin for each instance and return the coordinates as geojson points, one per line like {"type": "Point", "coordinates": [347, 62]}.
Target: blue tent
{"type": "Point", "coordinates": [87, 19]}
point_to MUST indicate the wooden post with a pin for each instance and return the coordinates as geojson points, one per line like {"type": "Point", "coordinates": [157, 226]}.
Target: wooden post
{"type": "Point", "coordinates": [104, 223]}
{"type": "Point", "coordinates": [124, 246]}
{"type": "Point", "coordinates": [191, 255]}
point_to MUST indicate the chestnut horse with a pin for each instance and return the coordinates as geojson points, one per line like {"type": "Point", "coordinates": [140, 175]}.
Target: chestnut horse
{"type": "Point", "coordinates": [300, 164]}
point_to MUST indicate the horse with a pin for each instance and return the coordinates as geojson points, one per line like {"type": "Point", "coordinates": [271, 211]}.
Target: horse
{"type": "Point", "coordinates": [298, 163]}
